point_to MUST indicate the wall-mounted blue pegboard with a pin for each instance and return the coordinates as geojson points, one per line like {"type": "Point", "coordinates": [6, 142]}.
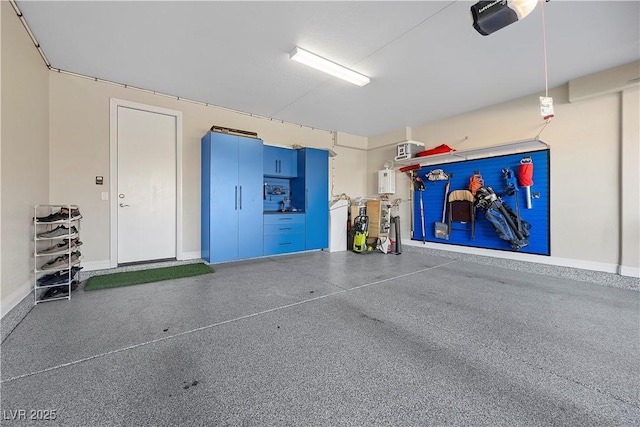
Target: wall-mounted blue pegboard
{"type": "Point", "coordinates": [433, 199]}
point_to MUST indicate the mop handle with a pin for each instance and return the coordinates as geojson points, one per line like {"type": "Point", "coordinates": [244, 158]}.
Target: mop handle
{"type": "Point", "coordinates": [444, 208]}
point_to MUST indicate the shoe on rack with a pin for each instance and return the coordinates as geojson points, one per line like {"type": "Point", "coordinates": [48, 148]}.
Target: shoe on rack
{"type": "Point", "coordinates": [61, 276]}
{"type": "Point", "coordinates": [54, 280]}
{"type": "Point", "coordinates": [75, 256]}
{"type": "Point", "coordinates": [74, 242]}
{"type": "Point", "coordinates": [56, 292]}
{"type": "Point", "coordinates": [54, 249]}
{"type": "Point", "coordinates": [47, 278]}
{"type": "Point", "coordinates": [58, 216]}
{"type": "Point", "coordinates": [61, 247]}
{"type": "Point", "coordinates": [61, 261]}
{"type": "Point", "coordinates": [75, 213]}
{"type": "Point", "coordinates": [74, 271]}
{"type": "Point", "coordinates": [61, 215]}
{"type": "Point", "coordinates": [59, 231]}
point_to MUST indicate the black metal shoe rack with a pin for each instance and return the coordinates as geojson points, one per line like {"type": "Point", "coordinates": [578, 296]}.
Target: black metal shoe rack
{"type": "Point", "coordinates": [53, 259]}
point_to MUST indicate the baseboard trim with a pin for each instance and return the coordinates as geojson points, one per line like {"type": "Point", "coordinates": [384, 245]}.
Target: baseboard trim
{"type": "Point", "coordinates": [584, 271]}
{"type": "Point", "coordinates": [190, 255]}
{"type": "Point", "coordinates": [15, 298]}
{"type": "Point", "coordinates": [517, 256]}
{"type": "Point", "coordinates": [96, 265]}
{"type": "Point", "coordinates": [106, 264]}
{"type": "Point", "coordinates": [629, 271]}
{"type": "Point", "coordinates": [15, 308]}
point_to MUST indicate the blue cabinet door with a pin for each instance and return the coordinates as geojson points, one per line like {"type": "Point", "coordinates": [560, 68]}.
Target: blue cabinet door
{"type": "Point", "coordinates": [250, 198]}
{"type": "Point", "coordinates": [317, 186]}
{"type": "Point", "coordinates": [220, 203]}
{"type": "Point", "coordinates": [231, 197]}
{"type": "Point", "coordinates": [205, 195]}
{"type": "Point", "coordinates": [279, 162]}
{"type": "Point", "coordinates": [311, 190]}
{"type": "Point", "coordinates": [270, 160]}
{"type": "Point", "coordinates": [288, 163]}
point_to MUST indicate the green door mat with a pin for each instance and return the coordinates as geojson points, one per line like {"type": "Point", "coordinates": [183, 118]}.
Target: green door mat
{"type": "Point", "coordinates": [128, 278]}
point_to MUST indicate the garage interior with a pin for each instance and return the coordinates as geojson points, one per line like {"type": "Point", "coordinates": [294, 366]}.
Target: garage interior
{"type": "Point", "coordinates": [444, 333]}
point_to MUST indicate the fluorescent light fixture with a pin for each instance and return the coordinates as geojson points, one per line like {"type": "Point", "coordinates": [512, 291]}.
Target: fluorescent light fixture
{"type": "Point", "coordinates": [319, 63]}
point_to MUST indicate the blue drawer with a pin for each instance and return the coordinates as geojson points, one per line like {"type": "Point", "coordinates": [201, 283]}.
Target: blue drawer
{"type": "Point", "coordinates": [283, 243]}
{"type": "Point", "coordinates": [283, 229]}
{"type": "Point", "coordinates": [284, 218]}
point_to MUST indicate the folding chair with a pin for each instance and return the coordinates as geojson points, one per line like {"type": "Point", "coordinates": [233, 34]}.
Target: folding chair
{"type": "Point", "coordinates": [461, 210]}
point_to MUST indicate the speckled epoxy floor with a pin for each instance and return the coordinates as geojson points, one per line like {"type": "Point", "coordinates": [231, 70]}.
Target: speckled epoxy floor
{"type": "Point", "coordinates": [331, 339]}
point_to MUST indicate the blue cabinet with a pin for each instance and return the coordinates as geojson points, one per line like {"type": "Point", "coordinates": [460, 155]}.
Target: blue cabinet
{"type": "Point", "coordinates": [231, 212]}
{"type": "Point", "coordinates": [284, 233]}
{"type": "Point", "coordinates": [279, 162]}
{"type": "Point", "coordinates": [311, 190]}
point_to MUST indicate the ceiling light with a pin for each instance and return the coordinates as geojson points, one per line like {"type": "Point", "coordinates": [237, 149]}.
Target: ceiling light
{"type": "Point", "coordinates": [319, 63]}
{"type": "Point", "coordinates": [490, 16]}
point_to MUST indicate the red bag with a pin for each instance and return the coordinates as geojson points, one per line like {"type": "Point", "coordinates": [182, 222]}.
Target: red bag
{"type": "Point", "coordinates": [444, 148]}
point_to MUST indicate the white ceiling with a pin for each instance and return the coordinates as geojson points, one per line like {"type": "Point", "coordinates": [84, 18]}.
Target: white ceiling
{"type": "Point", "coordinates": [425, 60]}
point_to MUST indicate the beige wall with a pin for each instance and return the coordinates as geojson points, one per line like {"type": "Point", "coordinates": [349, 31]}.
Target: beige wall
{"type": "Point", "coordinates": [630, 176]}
{"type": "Point", "coordinates": [25, 153]}
{"type": "Point", "coordinates": [586, 148]}
{"type": "Point", "coordinates": [349, 173]}
{"type": "Point", "coordinates": [79, 141]}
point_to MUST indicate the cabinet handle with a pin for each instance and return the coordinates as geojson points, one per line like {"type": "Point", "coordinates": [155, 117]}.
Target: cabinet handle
{"type": "Point", "coordinates": [241, 197]}
{"type": "Point", "coordinates": [306, 200]}
{"type": "Point", "coordinates": [285, 219]}
{"type": "Point", "coordinates": [276, 166]}
{"type": "Point", "coordinates": [236, 197]}
{"type": "Point", "coordinates": [284, 228]}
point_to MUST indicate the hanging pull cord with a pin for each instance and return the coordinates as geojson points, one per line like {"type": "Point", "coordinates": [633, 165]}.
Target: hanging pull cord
{"type": "Point", "coordinates": [544, 48]}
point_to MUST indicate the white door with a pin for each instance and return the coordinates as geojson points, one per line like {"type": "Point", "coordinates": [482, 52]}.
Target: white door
{"type": "Point", "coordinates": [146, 185]}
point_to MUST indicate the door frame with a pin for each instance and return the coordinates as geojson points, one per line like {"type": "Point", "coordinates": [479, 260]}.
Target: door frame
{"type": "Point", "coordinates": [113, 172]}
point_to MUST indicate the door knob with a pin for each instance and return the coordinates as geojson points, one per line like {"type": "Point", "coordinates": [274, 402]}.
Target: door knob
{"type": "Point", "coordinates": [122, 205]}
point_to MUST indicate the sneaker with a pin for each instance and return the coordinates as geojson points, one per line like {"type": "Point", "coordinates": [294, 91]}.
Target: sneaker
{"type": "Point", "coordinates": [62, 261]}
{"type": "Point", "coordinates": [59, 262]}
{"type": "Point", "coordinates": [75, 213]}
{"type": "Point", "coordinates": [61, 247]}
{"type": "Point", "coordinates": [57, 292]}
{"type": "Point", "coordinates": [61, 215]}
{"type": "Point", "coordinates": [75, 257]}
{"type": "Point", "coordinates": [74, 271]}
{"type": "Point", "coordinates": [74, 242]}
{"type": "Point", "coordinates": [55, 280]}
{"type": "Point", "coordinates": [58, 216]}
{"type": "Point", "coordinates": [59, 231]}
{"type": "Point", "coordinates": [61, 276]}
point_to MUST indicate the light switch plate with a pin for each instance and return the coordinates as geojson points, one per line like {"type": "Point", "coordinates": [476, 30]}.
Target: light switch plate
{"type": "Point", "coordinates": [105, 195]}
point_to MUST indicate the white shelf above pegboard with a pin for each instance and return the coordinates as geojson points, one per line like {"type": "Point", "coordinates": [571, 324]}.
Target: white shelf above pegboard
{"type": "Point", "coordinates": [477, 153]}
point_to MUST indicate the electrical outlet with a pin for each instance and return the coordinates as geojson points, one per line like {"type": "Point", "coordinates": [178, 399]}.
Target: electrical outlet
{"type": "Point", "coordinates": [105, 195]}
